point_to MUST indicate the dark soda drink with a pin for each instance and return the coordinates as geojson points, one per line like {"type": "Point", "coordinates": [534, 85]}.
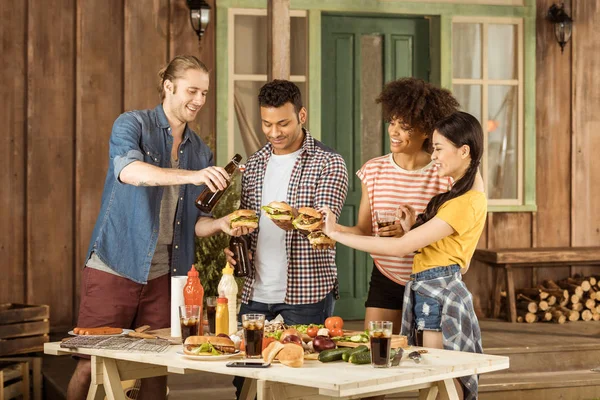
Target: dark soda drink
{"type": "Point", "coordinates": [208, 199]}
{"type": "Point", "coordinates": [189, 327]}
{"type": "Point", "coordinates": [380, 350]}
{"type": "Point", "coordinates": [239, 248]}
{"type": "Point", "coordinates": [384, 224]}
{"type": "Point", "coordinates": [211, 312]}
{"type": "Point", "coordinates": [253, 336]}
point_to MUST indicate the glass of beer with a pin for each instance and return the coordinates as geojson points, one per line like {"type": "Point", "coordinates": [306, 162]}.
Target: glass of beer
{"type": "Point", "coordinates": [380, 336]}
{"type": "Point", "coordinates": [189, 318]}
{"type": "Point", "coordinates": [253, 334]}
{"type": "Point", "coordinates": [384, 218]}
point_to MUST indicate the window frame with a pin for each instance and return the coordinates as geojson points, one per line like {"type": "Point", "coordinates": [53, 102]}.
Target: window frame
{"type": "Point", "coordinates": [484, 82]}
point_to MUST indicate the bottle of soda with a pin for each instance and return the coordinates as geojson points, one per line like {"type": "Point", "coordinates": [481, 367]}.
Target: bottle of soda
{"type": "Point", "coordinates": [239, 248]}
{"type": "Point", "coordinates": [209, 199]}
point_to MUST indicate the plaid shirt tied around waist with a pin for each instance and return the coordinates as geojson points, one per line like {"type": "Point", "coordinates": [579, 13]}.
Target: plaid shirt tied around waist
{"type": "Point", "coordinates": [319, 178]}
{"type": "Point", "coordinates": [460, 328]}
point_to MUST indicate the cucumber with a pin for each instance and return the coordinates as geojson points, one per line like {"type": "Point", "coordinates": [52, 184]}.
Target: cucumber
{"type": "Point", "coordinates": [351, 351]}
{"type": "Point", "coordinates": [362, 357]}
{"type": "Point", "coordinates": [331, 355]}
{"type": "Point", "coordinates": [356, 338]}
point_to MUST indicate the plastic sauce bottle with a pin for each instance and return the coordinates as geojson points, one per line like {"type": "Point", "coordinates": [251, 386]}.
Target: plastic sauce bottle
{"type": "Point", "coordinates": [228, 288]}
{"type": "Point", "coordinates": [208, 199]}
{"type": "Point", "coordinates": [193, 293]}
{"type": "Point", "coordinates": [222, 317]}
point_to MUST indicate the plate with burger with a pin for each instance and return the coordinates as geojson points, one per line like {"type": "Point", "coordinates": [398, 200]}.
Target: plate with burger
{"type": "Point", "coordinates": [208, 348]}
{"type": "Point", "coordinates": [243, 218]}
{"type": "Point", "coordinates": [279, 211]}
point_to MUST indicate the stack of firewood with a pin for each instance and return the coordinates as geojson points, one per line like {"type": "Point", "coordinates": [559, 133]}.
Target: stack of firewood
{"type": "Point", "coordinates": [569, 299]}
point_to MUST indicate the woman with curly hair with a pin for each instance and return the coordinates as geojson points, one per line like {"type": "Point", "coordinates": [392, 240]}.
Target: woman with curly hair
{"type": "Point", "coordinates": [403, 181]}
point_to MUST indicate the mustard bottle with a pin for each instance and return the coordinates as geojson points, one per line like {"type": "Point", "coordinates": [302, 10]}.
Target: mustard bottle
{"type": "Point", "coordinates": [222, 316]}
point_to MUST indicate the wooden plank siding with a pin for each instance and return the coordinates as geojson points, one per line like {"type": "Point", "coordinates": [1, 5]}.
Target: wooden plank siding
{"type": "Point", "coordinates": [70, 68]}
{"type": "Point", "coordinates": [13, 113]}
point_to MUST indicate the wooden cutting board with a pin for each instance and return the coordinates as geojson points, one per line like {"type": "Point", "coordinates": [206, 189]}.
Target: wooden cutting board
{"type": "Point", "coordinates": [397, 341]}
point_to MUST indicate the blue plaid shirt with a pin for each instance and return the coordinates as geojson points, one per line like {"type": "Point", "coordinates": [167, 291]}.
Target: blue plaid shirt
{"type": "Point", "coordinates": [460, 328]}
{"type": "Point", "coordinates": [319, 178]}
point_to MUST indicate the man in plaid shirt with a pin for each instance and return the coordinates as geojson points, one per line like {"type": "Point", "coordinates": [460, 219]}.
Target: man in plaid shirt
{"type": "Point", "coordinates": [289, 277]}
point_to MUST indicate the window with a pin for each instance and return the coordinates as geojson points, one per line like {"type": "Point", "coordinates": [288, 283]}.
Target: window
{"type": "Point", "coordinates": [247, 44]}
{"type": "Point", "coordinates": [487, 79]}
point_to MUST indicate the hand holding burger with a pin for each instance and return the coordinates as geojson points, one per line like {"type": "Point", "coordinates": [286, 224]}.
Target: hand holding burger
{"type": "Point", "coordinates": [281, 213]}
{"type": "Point", "coordinates": [240, 222]}
{"type": "Point", "coordinates": [308, 220]}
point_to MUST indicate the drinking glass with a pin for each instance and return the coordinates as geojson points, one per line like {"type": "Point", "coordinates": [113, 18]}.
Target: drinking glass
{"type": "Point", "coordinates": [384, 218]}
{"type": "Point", "coordinates": [211, 312]}
{"type": "Point", "coordinates": [380, 336]}
{"type": "Point", "coordinates": [189, 318]}
{"type": "Point", "coordinates": [253, 334]}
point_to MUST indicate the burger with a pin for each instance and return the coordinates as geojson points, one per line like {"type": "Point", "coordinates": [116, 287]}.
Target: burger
{"type": "Point", "coordinates": [308, 219]}
{"type": "Point", "coordinates": [208, 346]}
{"type": "Point", "coordinates": [243, 218]}
{"type": "Point", "coordinates": [317, 238]}
{"type": "Point", "coordinates": [279, 210]}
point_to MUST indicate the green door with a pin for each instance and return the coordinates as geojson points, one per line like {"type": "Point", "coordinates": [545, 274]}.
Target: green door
{"type": "Point", "coordinates": [359, 54]}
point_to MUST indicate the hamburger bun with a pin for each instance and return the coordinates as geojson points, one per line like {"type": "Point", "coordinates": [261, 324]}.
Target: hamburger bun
{"type": "Point", "coordinates": [279, 210]}
{"type": "Point", "coordinates": [291, 355]}
{"type": "Point", "coordinates": [318, 238]}
{"type": "Point", "coordinates": [220, 344]}
{"type": "Point", "coordinates": [308, 219]}
{"type": "Point", "coordinates": [245, 218]}
{"type": "Point", "coordinates": [269, 352]}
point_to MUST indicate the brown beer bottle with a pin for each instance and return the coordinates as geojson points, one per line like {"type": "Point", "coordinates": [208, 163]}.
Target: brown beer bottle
{"type": "Point", "coordinates": [239, 248]}
{"type": "Point", "coordinates": [209, 199]}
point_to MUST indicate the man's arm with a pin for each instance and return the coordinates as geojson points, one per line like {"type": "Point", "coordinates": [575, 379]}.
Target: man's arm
{"type": "Point", "coordinates": [332, 186]}
{"type": "Point", "coordinates": [129, 166]}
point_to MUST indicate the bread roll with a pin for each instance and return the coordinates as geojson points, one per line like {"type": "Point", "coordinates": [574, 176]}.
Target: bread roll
{"type": "Point", "coordinates": [291, 355]}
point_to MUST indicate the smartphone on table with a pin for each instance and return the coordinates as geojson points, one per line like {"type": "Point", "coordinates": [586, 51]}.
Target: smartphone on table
{"type": "Point", "coordinates": [248, 364]}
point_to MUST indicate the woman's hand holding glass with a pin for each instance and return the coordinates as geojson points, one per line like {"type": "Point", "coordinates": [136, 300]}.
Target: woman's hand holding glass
{"type": "Point", "coordinates": [407, 216]}
{"type": "Point", "coordinates": [330, 226]}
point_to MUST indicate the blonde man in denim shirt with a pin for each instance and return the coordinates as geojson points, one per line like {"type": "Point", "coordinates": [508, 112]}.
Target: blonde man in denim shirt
{"type": "Point", "coordinates": [148, 220]}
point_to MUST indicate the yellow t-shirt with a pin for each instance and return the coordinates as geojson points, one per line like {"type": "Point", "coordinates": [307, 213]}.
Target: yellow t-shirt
{"type": "Point", "coordinates": [466, 215]}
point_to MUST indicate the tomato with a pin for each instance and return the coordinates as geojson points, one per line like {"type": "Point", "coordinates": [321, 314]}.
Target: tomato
{"type": "Point", "coordinates": [334, 322]}
{"type": "Point", "coordinates": [312, 331]}
{"type": "Point", "coordinates": [336, 332]}
{"type": "Point", "coordinates": [267, 340]}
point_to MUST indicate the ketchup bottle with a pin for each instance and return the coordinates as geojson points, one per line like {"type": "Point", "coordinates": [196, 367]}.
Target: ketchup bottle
{"type": "Point", "coordinates": [193, 292]}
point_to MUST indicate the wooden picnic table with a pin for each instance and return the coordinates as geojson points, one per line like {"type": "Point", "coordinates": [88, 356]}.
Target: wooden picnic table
{"type": "Point", "coordinates": [333, 380]}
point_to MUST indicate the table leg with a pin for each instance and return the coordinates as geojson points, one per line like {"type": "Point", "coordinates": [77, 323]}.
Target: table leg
{"type": "Point", "coordinates": [496, 273]}
{"type": "Point", "coordinates": [447, 390]}
{"type": "Point", "coordinates": [96, 392]}
{"type": "Point", "coordinates": [510, 295]}
{"type": "Point", "coordinates": [111, 379]}
{"type": "Point", "coordinates": [429, 393]}
{"type": "Point", "coordinates": [272, 391]}
{"type": "Point", "coordinates": [248, 390]}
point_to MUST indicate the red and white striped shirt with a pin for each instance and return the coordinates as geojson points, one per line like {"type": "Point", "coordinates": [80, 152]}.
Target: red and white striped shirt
{"type": "Point", "coordinates": [390, 186]}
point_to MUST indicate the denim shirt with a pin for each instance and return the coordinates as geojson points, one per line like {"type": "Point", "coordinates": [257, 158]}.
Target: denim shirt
{"type": "Point", "coordinates": [126, 230]}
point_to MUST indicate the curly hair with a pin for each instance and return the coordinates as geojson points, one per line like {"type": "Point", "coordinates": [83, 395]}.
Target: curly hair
{"type": "Point", "coordinates": [278, 92]}
{"type": "Point", "coordinates": [419, 105]}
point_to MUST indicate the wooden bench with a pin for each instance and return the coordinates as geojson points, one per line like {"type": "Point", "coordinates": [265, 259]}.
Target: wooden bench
{"type": "Point", "coordinates": [508, 259]}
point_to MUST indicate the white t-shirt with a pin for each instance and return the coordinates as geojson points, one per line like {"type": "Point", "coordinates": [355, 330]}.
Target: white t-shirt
{"type": "Point", "coordinates": [271, 257]}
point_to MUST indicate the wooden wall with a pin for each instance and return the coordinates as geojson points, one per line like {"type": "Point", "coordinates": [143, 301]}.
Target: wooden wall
{"type": "Point", "coordinates": [69, 68]}
{"type": "Point", "coordinates": [567, 135]}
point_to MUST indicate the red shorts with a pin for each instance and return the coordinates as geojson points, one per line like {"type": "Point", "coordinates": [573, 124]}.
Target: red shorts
{"type": "Point", "coordinates": [111, 300]}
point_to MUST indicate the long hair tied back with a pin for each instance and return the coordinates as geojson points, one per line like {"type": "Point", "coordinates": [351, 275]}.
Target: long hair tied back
{"type": "Point", "coordinates": [461, 129]}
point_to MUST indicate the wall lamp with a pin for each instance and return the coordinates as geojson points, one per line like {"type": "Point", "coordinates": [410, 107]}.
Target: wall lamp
{"type": "Point", "coordinates": [199, 15]}
{"type": "Point", "coordinates": [563, 24]}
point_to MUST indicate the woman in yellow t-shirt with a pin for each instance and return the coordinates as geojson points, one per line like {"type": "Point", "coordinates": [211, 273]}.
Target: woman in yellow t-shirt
{"type": "Point", "coordinates": [444, 238]}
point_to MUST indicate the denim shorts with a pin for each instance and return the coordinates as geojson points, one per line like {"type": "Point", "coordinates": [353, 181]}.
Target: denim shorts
{"type": "Point", "coordinates": [428, 311]}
